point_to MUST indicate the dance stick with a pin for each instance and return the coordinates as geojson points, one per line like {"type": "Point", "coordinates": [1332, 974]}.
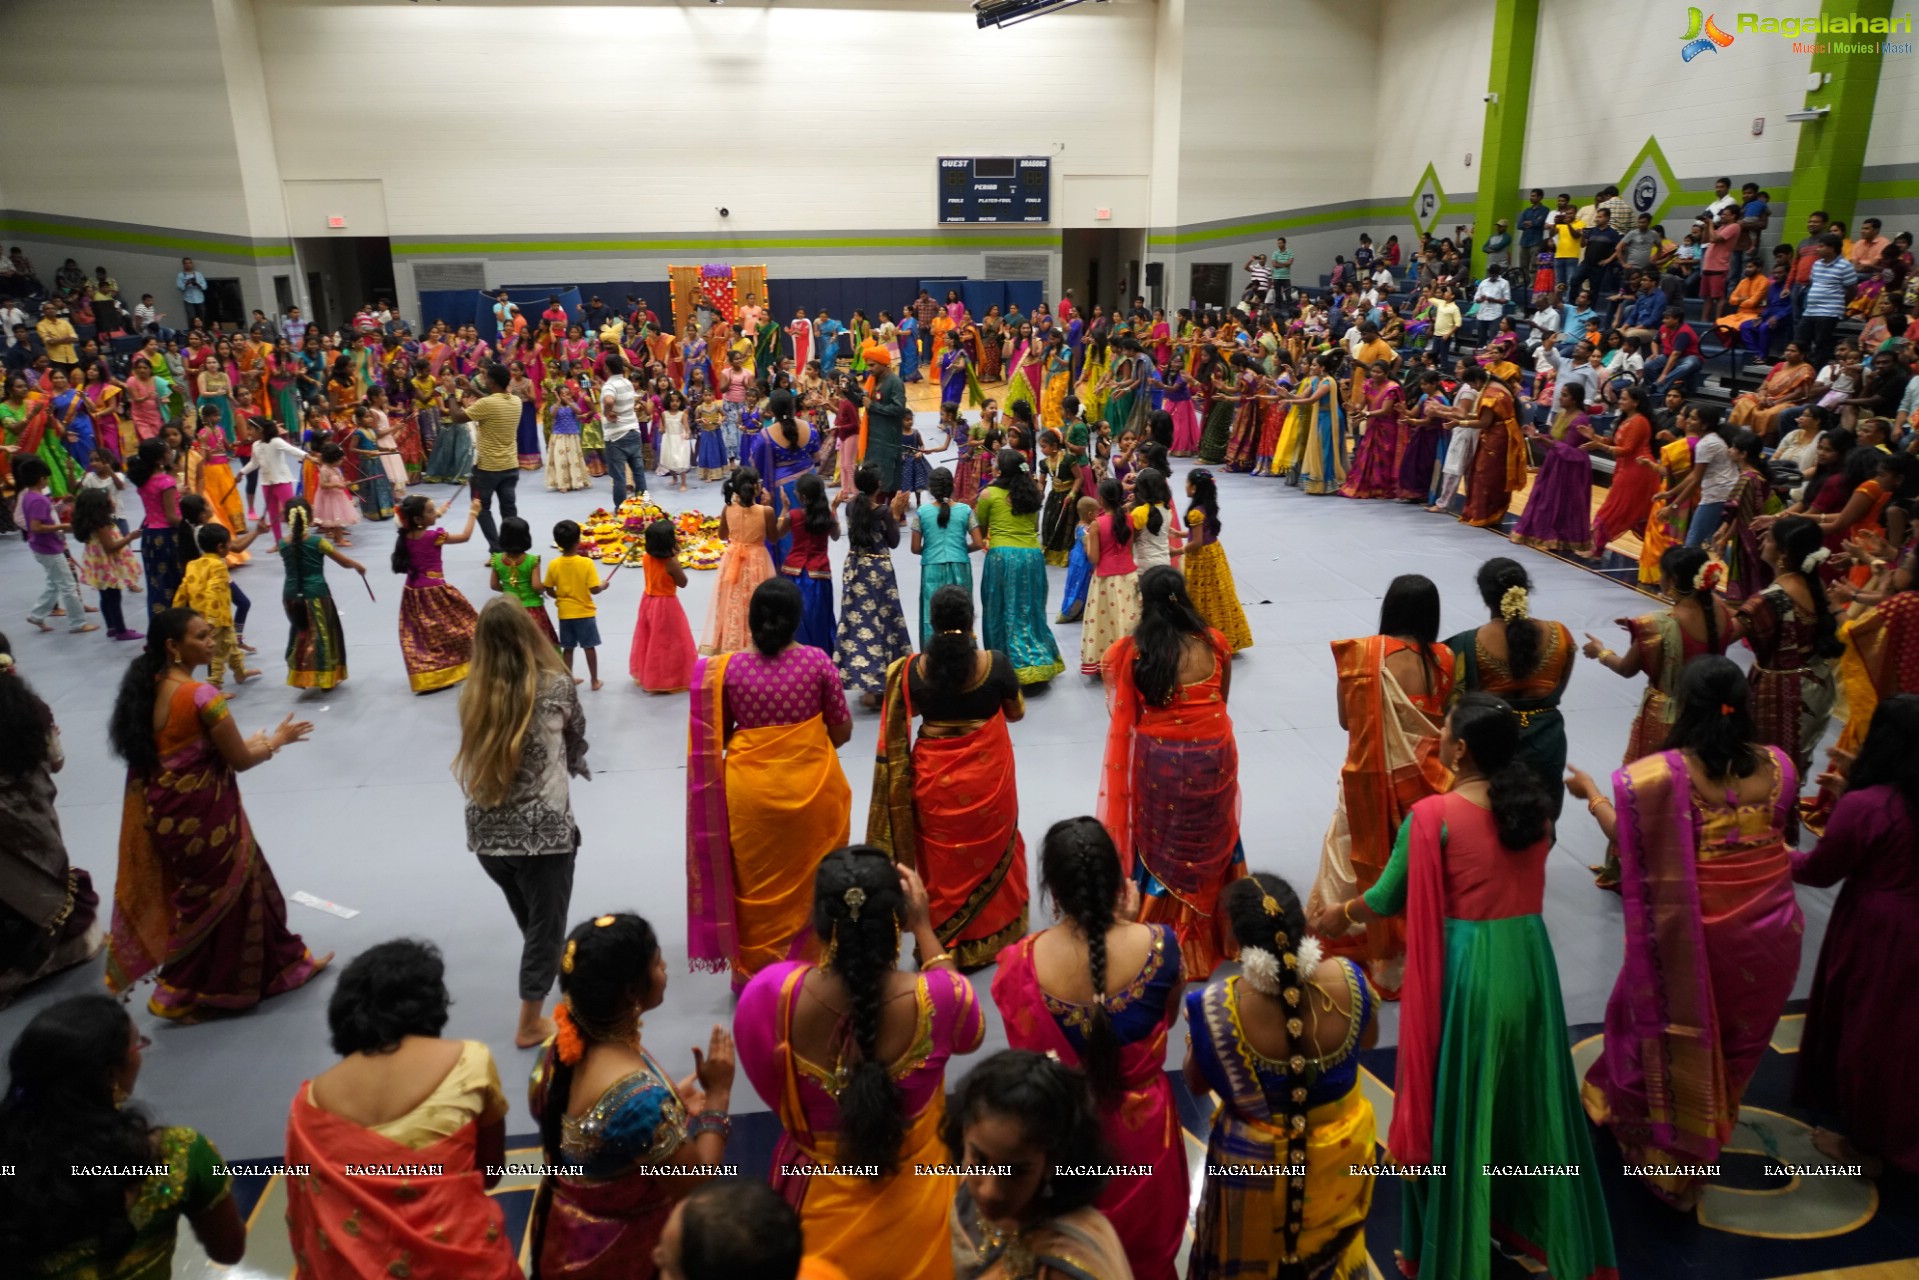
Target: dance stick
{"type": "Point", "coordinates": [367, 585]}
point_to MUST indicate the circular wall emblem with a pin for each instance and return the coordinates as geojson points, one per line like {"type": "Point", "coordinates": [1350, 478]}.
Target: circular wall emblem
{"type": "Point", "coordinates": [1645, 193]}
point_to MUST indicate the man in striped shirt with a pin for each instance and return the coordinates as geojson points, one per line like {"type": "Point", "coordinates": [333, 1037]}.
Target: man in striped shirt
{"type": "Point", "coordinates": [1831, 281]}
{"type": "Point", "coordinates": [1261, 283]}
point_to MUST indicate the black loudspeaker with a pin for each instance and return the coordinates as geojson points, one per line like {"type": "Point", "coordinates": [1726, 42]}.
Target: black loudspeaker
{"type": "Point", "coordinates": [1155, 273]}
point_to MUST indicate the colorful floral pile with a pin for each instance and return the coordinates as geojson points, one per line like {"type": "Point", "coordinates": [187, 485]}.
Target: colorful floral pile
{"type": "Point", "coordinates": [618, 537]}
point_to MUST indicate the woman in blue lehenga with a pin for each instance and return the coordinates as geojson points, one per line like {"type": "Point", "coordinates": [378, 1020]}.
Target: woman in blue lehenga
{"type": "Point", "coordinates": [781, 453]}
{"type": "Point", "coordinates": [956, 373]}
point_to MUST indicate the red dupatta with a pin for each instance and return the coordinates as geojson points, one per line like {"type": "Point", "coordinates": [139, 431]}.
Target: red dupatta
{"type": "Point", "coordinates": [712, 929]}
{"type": "Point", "coordinates": [1422, 1007]}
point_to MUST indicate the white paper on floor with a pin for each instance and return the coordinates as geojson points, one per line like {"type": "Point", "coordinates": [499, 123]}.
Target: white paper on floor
{"type": "Point", "coordinates": [306, 899]}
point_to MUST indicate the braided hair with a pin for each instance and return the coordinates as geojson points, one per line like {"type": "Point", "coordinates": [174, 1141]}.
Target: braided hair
{"type": "Point", "coordinates": [130, 728]}
{"type": "Point", "coordinates": [862, 513]}
{"type": "Point", "coordinates": [940, 486]}
{"type": "Point", "coordinates": [606, 981]}
{"type": "Point", "coordinates": [858, 909]}
{"type": "Point", "coordinates": [1685, 568]}
{"type": "Point", "coordinates": [780, 405]}
{"type": "Point", "coordinates": [1265, 915]}
{"type": "Point", "coordinates": [1714, 719]}
{"type": "Point", "coordinates": [1079, 868]}
{"type": "Point", "coordinates": [950, 663]}
{"type": "Point", "coordinates": [1496, 577]}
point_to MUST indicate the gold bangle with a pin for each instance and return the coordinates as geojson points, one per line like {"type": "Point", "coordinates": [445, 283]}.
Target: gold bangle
{"type": "Point", "coordinates": [1591, 805]}
{"type": "Point", "coordinates": [944, 957]}
{"type": "Point", "coordinates": [1346, 912]}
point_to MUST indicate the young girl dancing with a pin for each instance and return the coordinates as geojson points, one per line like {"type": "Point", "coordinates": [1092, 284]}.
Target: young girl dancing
{"type": "Point", "coordinates": [1112, 601]}
{"type": "Point", "coordinates": [107, 565]}
{"type": "Point", "coordinates": [436, 621]}
{"type": "Point", "coordinates": [316, 644]}
{"type": "Point", "coordinates": [515, 570]}
{"type": "Point", "coordinates": [1209, 579]}
{"type": "Point", "coordinates": [565, 463]}
{"type": "Point", "coordinates": [746, 526]}
{"type": "Point", "coordinates": [676, 440]}
{"type": "Point", "coordinates": [333, 507]}
{"type": "Point", "coordinates": [812, 525]}
{"type": "Point", "coordinates": [663, 650]}
{"type": "Point", "coordinates": [872, 631]}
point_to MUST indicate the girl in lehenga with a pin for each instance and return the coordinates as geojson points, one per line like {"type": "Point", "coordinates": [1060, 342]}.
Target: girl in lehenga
{"type": "Point", "coordinates": [1112, 600]}
{"type": "Point", "coordinates": [1209, 578]}
{"type": "Point", "coordinates": [747, 526]}
{"type": "Point", "coordinates": [1065, 480]}
{"type": "Point", "coordinates": [1169, 785]}
{"type": "Point", "coordinates": [316, 644]}
{"type": "Point", "coordinates": [1059, 381]}
{"type": "Point", "coordinates": [945, 800]}
{"type": "Point", "coordinates": [765, 796]}
{"type": "Point", "coordinates": [1279, 1044]}
{"type": "Point", "coordinates": [436, 621]}
{"type": "Point", "coordinates": [195, 904]}
{"type": "Point", "coordinates": [872, 633]}
{"type": "Point", "coordinates": [1393, 689]}
{"type": "Point", "coordinates": [1481, 1020]}
{"type": "Point", "coordinates": [1712, 932]}
{"type": "Point", "coordinates": [809, 1039]}
{"type": "Point", "coordinates": [1013, 616]}
{"type": "Point", "coordinates": [945, 537]}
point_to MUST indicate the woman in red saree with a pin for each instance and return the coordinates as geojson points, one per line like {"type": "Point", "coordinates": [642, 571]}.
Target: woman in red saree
{"type": "Point", "coordinates": [946, 801]}
{"type": "Point", "coordinates": [1635, 479]}
{"type": "Point", "coordinates": [1499, 461]}
{"type": "Point", "coordinates": [631, 1142]}
{"type": "Point", "coordinates": [400, 1096]}
{"type": "Point", "coordinates": [1393, 689]}
{"type": "Point", "coordinates": [195, 903]}
{"type": "Point", "coordinates": [1100, 993]}
{"type": "Point", "coordinates": [1169, 784]}
{"type": "Point", "coordinates": [1712, 932]}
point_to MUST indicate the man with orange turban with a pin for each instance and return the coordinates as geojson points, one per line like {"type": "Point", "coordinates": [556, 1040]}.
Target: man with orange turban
{"type": "Point", "coordinates": [886, 417]}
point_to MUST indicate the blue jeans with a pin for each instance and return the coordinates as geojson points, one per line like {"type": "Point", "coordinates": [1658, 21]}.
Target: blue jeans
{"type": "Point", "coordinates": [623, 452]}
{"type": "Point", "coordinates": [731, 412]}
{"type": "Point", "coordinates": [1682, 371]}
{"type": "Point", "coordinates": [1563, 269]}
{"type": "Point", "coordinates": [1706, 519]}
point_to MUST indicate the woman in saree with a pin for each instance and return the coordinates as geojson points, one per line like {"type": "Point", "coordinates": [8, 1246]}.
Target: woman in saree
{"type": "Point", "coordinates": [1314, 447]}
{"type": "Point", "coordinates": [209, 473]}
{"type": "Point", "coordinates": [1242, 437]}
{"type": "Point", "coordinates": [401, 1094]}
{"type": "Point", "coordinates": [1021, 366]}
{"type": "Point", "coordinates": [48, 906]}
{"type": "Point", "coordinates": [1481, 1023]}
{"type": "Point", "coordinates": [283, 383]}
{"type": "Point", "coordinates": [1499, 465]}
{"type": "Point", "coordinates": [27, 429]}
{"type": "Point", "coordinates": [765, 796]}
{"type": "Point", "coordinates": [636, 1141]}
{"type": "Point", "coordinates": [195, 904]}
{"type": "Point", "coordinates": [1712, 931]}
{"type": "Point", "coordinates": [70, 419]}
{"type": "Point", "coordinates": [1854, 1063]}
{"type": "Point", "coordinates": [1661, 645]}
{"type": "Point", "coordinates": [106, 399]}
{"type": "Point", "coordinates": [1377, 458]}
{"type": "Point", "coordinates": [1791, 382]}
{"type": "Point", "coordinates": [852, 1053]}
{"type": "Point", "coordinates": [1092, 377]}
{"type": "Point", "coordinates": [1027, 1135]}
{"type": "Point", "coordinates": [1100, 994]}
{"type": "Point", "coordinates": [1558, 514]}
{"type": "Point", "coordinates": [1279, 1045]}
{"type": "Point", "coordinates": [1127, 387]}
{"type": "Point", "coordinates": [1169, 783]}
{"type": "Point", "coordinates": [1393, 689]}
{"type": "Point", "coordinates": [945, 799]}
{"type": "Point", "coordinates": [215, 399]}
{"type": "Point", "coordinates": [1059, 382]}
{"type": "Point", "coordinates": [782, 453]}
{"type": "Point", "coordinates": [1525, 661]}
{"type": "Point", "coordinates": [1794, 639]}
{"type": "Point", "coordinates": [1880, 630]}
{"type": "Point", "coordinates": [956, 373]}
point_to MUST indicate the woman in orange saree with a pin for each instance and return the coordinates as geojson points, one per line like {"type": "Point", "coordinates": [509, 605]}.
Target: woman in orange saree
{"type": "Point", "coordinates": [1790, 383]}
{"type": "Point", "coordinates": [765, 796]}
{"type": "Point", "coordinates": [195, 904]}
{"type": "Point", "coordinates": [1393, 689]}
{"type": "Point", "coordinates": [946, 802]}
{"type": "Point", "coordinates": [1169, 784]}
{"type": "Point", "coordinates": [1881, 662]}
{"type": "Point", "coordinates": [1499, 463]}
{"type": "Point", "coordinates": [809, 1039]}
{"type": "Point", "coordinates": [1712, 932]}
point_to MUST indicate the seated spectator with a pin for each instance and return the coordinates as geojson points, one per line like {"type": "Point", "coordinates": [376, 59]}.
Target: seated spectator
{"type": "Point", "coordinates": [1678, 362]}
{"type": "Point", "coordinates": [66, 1109]}
{"type": "Point", "coordinates": [1548, 318]}
{"type": "Point", "coordinates": [1639, 316]}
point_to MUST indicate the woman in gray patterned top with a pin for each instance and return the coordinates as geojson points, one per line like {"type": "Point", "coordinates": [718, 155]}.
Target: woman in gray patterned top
{"type": "Point", "coordinates": [521, 733]}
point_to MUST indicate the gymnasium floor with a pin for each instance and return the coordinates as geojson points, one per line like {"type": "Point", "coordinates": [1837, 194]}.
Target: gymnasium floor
{"type": "Point", "coordinates": [367, 815]}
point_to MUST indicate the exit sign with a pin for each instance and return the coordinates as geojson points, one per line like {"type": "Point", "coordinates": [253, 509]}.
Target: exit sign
{"type": "Point", "coordinates": [335, 221]}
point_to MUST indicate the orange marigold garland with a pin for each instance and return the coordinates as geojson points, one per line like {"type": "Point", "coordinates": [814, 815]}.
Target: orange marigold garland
{"type": "Point", "coordinates": [566, 1035]}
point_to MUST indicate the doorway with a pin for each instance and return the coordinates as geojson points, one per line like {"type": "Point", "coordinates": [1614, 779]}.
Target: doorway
{"type": "Point", "coordinates": [1102, 265]}
{"type": "Point", "coordinates": [344, 271]}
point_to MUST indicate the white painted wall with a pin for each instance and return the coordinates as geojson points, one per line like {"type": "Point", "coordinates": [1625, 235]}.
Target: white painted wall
{"type": "Point", "coordinates": [1429, 81]}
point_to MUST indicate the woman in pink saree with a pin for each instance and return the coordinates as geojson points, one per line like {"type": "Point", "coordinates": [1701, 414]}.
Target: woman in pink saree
{"type": "Point", "coordinates": [1712, 931]}
{"type": "Point", "coordinates": [1110, 1019]}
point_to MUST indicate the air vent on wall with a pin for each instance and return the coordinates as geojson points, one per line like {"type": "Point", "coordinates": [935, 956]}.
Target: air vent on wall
{"type": "Point", "coordinates": [1016, 266]}
{"type": "Point", "coordinates": [428, 276]}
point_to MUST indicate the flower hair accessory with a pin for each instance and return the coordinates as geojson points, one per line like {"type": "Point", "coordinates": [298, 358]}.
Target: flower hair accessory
{"type": "Point", "coordinates": [1514, 604]}
{"type": "Point", "coordinates": [854, 898]}
{"type": "Point", "coordinates": [1727, 709]}
{"type": "Point", "coordinates": [1260, 970]}
{"type": "Point", "coordinates": [1814, 560]}
{"type": "Point", "coordinates": [1707, 578]}
{"type": "Point", "coordinates": [567, 1041]}
{"type": "Point", "coordinates": [6, 662]}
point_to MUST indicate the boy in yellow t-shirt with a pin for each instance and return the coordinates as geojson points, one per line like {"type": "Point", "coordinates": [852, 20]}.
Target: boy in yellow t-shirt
{"type": "Point", "coordinates": [573, 580]}
{"type": "Point", "coordinates": [208, 591]}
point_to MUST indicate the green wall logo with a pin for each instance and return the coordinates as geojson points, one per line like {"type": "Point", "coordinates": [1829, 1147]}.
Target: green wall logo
{"type": "Point", "coordinates": [1703, 35]}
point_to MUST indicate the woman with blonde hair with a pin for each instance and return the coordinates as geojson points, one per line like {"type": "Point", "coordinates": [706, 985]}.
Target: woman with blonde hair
{"type": "Point", "coordinates": [522, 732]}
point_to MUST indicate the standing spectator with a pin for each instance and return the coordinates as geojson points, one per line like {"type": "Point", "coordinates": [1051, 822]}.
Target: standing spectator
{"type": "Point", "coordinates": [294, 328]}
{"type": "Point", "coordinates": [622, 429]}
{"type": "Point", "coordinates": [1599, 243]}
{"type": "Point", "coordinates": [1865, 250]}
{"type": "Point", "coordinates": [57, 336]}
{"type": "Point", "coordinates": [1722, 199]}
{"type": "Point", "coordinates": [193, 291]}
{"type": "Point", "coordinates": [1532, 225]}
{"type": "Point", "coordinates": [496, 421]}
{"type": "Point", "coordinates": [1805, 253]}
{"type": "Point", "coordinates": [12, 316]}
{"type": "Point", "coordinates": [1717, 261]}
{"type": "Point", "coordinates": [1755, 215]}
{"type": "Point", "coordinates": [1489, 303]}
{"type": "Point", "coordinates": [1446, 322]}
{"type": "Point", "coordinates": [1565, 225]}
{"type": "Point", "coordinates": [1499, 247]}
{"type": "Point", "coordinates": [1616, 208]}
{"type": "Point", "coordinates": [926, 310]}
{"type": "Point", "coordinates": [1830, 281]}
{"type": "Point", "coordinates": [554, 313]}
{"type": "Point", "coordinates": [506, 315]}
{"type": "Point", "coordinates": [1281, 260]}
{"type": "Point", "coordinates": [107, 319]}
{"type": "Point", "coordinates": [1363, 256]}
{"type": "Point", "coordinates": [1636, 246]}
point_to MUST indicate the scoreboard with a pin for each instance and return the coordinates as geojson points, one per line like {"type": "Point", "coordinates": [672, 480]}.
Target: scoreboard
{"type": "Point", "coordinates": [996, 189]}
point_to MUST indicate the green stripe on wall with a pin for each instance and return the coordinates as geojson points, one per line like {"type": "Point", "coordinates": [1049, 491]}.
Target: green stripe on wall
{"type": "Point", "coordinates": [187, 244]}
{"type": "Point", "coordinates": [685, 244]}
{"type": "Point", "coordinates": [1265, 226]}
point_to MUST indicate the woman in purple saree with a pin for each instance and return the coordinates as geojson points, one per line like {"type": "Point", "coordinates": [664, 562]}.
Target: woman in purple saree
{"type": "Point", "coordinates": [1712, 932]}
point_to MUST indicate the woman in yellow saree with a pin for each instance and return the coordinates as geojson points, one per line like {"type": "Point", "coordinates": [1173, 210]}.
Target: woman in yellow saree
{"type": "Point", "coordinates": [852, 1052]}
{"type": "Point", "coordinates": [947, 803]}
{"type": "Point", "coordinates": [765, 796]}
